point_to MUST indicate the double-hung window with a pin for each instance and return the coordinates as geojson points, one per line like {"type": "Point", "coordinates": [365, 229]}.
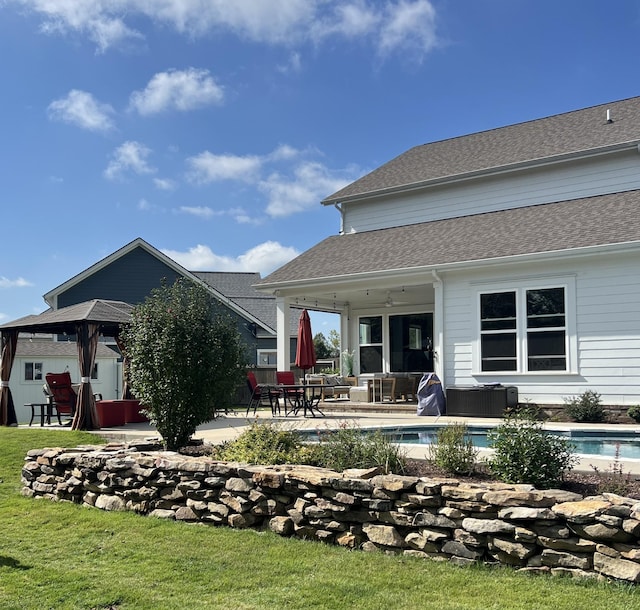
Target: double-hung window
{"type": "Point", "coordinates": [524, 330]}
{"type": "Point", "coordinates": [33, 371]}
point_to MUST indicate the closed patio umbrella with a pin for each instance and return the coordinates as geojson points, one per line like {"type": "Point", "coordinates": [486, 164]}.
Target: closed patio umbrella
{"type": "Point", "coordinates": [305, 350]}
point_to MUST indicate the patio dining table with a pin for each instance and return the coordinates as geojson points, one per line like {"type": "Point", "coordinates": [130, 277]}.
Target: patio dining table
{"type": "Point", "coordinates": [301, 396]}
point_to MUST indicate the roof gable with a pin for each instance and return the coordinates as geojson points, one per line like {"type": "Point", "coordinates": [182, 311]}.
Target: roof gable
{"type": "Point", "coordinates": [134, 280]}
{"type": "Point", "coordinates": [567, 135]}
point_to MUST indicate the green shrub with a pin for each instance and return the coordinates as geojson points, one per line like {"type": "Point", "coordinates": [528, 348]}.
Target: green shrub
{"type": "Point", "coordinates": [453, 450]}
{"type": "Point", "coordinates": [634, 413]}
{"type": "Point", "coordinates": [264, 443]}
{"type": "Point", "coordinates": [351, 447]}
{"type": "Point", "coordinates": [186, 359]}
{"type": "Point", "coordinates": [525, 453]}
{"type": "Point", "coordinates": [587, 407]}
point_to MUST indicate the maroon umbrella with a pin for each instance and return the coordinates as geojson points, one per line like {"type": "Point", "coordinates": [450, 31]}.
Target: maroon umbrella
{"type": "Point", "coordinates": [305, 351]}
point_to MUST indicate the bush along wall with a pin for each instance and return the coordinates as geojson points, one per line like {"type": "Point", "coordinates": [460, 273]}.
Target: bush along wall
{"type": "Point", "coordinates": [550, 531]}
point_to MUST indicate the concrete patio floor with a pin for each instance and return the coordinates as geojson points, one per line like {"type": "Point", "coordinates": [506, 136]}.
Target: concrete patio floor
{"type": "Point", "coordinates": [230, 426]}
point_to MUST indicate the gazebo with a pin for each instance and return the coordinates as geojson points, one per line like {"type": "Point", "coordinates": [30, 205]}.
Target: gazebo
{"type": "Point", "coordinates": [87, 321]}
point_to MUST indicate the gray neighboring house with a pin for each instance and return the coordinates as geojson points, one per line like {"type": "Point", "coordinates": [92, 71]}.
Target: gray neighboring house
{"type": "Point", "coordinates": [132, 272]}
{"type": "Point", "coordinates": [507, 256]}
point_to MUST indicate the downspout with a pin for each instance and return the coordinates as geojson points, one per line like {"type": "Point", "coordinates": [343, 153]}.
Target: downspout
{"type": "Point", "coordinates": [438, 330]}
{"type": "Point", "coordinates": [338, 207]}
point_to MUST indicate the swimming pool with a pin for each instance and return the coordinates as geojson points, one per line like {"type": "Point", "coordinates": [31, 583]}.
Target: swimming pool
{"type": "Point", "coordinates": [601, 443]}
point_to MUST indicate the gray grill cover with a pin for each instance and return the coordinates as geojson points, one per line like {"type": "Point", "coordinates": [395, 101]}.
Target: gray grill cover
{"type": "Point", "coordinates": [431, 399]}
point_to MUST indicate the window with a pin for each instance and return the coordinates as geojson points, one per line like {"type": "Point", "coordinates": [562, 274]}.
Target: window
{"type": "Point", "coordinates": [524, 330]}
{"type": "Point", "coordinates": [370, 343]}
{"type": "Point", "coordinates": [267, 357]}
{"type": "Point", "coordinates": [498, 331]}
{"type": "Point", "coordinates": [546, 330]}
{"type": "Point", "coordinates": [94, 372]}
{"type": "Point", "coordinates": [33, 371]}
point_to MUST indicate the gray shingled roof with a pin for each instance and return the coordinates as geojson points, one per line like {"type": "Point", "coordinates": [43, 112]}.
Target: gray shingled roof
{"type": "Point", "coordinates": [239, 288]}
{"type": "Point", "coordinates": [109, 314]}
{"type": "Point", "coordinates": [562, 134]}
{"type": "Point", "coordinates": [60, 349]}
{"type": "Point", "coordinates": [552, 227]}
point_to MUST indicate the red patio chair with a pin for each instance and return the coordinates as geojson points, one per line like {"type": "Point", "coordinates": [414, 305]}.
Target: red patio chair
{"type": "Point", "coordinates": [293, 395]}
{"type": "Point", "coordinates": [260, 394]}
{"type": "Point", "coordinates": [62, 395]}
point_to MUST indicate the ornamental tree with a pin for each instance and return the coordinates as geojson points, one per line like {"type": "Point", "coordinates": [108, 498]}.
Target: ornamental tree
{"type": "Point", "coordinates": [187, 359]}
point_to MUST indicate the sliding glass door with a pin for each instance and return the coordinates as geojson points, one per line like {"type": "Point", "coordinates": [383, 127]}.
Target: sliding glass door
{"type": "Point", "coordinates": [408, 344]}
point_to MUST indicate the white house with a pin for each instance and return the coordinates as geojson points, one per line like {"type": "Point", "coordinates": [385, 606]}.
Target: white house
{"type": "Point", "coordinates": [508, 256]}
{"type": "Point", "coordinates": [35, 358]}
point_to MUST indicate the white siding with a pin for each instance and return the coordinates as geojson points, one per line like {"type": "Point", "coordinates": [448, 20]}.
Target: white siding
{"type": "Point", "coordinates": [107, 384]}
{"type": "Point", "coordinates": [607, 327]}
{"type": "Point", "coordinates": [614, 173]}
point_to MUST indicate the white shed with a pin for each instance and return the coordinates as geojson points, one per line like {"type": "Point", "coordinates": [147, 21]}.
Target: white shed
{"type": "Point", "coordinates": [35, 358]}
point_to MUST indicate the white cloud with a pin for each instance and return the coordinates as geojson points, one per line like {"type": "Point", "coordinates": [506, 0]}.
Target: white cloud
{"type": "Point", "coordinates": [263, 258]}
{"type": "Point", "coordinates": [83, 110]}
{"type": "Point", "coordinates": [292, 65]}
{"type": "Point", "coordinates": [129, 157]}
{"type": "Point", "coordinates": [310, 183]}
{"type": "Point", "coordinates": [395, 26]}
{"type": "Point", "coordinates": [283, 152]}
{"type": "Point", "coordinates": [165, 184]}
{"type": "Point", "coordinates": [199, 211]}
{"type": "Point", "coordinates": [409, 26]}
{"type": "Point", "coordinates": [292, 188]}
{"type": "Point", "coordinates": [207, 167]}
{"type": "Point", "coordinates": [177, 89]}
{"type": "Point", "coordinates": [17, 283]}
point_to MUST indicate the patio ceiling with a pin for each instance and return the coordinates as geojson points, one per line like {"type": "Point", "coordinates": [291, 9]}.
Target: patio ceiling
{"type": "Point", "coordinates": [367, 295]}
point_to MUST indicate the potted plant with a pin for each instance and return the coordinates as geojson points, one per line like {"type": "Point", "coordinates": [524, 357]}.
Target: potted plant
{"type": "Point", "coordinates": [347, 365]}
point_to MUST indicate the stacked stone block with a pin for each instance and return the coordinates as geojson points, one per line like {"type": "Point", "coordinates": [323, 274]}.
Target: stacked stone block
{"type": "Point", "coordinates": [546, 531]}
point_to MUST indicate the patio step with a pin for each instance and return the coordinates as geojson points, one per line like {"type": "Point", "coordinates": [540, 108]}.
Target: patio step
{"type": "Point", "coordinates": [342, 406]}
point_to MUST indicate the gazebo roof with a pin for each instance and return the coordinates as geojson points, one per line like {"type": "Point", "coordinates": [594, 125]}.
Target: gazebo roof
{"type": "Point", "coordinates": [110, 315]}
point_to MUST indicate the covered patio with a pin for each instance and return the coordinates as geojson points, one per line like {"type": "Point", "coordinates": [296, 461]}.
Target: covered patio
{"type": "Point", "coordinates": [86, 321]}
{"type": "Point", "coordinates": [390, 321]}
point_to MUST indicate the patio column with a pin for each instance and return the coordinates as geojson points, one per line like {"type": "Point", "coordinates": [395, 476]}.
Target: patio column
{"type": "Point", "coordinates": [438, 327]}
{"type": "Point", "coordinates": [283, 330]}
{"type": "Point", "coordinates": [345, 338]}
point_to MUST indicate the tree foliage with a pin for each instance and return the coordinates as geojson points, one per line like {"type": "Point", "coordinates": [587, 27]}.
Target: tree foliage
{"type": "Point", "coordinates": [327, 348]}
{"type": "Point", "coordinates": [187, 359]}
{"type": "Point", "coordinates": [321, 346]}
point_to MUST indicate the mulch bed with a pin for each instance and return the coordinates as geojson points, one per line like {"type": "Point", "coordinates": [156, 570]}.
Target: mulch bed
{"type": "Point", "coordinates": [583, 483]}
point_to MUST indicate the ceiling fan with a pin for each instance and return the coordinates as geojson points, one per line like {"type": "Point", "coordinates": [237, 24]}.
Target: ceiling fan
{"type": "Point", "coordinates": [390, 301]}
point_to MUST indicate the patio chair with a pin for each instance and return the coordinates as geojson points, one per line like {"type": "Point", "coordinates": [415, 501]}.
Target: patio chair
{"type": "Point", "coordinates": [60, 393]}
{"type": "Point", "coordinates": [260, 394]}
{"type": "Point", "coordinates": [293, 395]}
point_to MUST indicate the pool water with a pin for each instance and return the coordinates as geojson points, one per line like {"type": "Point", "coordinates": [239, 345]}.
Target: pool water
{"type": "Point", "coordinates": [602, 443]}
{"type": "Point", "coordinates": [589, 442]}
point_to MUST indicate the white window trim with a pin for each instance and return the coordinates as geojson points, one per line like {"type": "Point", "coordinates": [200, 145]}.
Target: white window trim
{"type": "Point", "coordinates": [33, 363]}
{"type": "Point", "coordinates": [273, 352]}
{"type": "Point", "coordinates": [520, 287]}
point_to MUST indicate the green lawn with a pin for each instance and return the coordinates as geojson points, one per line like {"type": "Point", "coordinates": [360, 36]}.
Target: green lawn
{"type": "Point", "coordinates": [57, 555]}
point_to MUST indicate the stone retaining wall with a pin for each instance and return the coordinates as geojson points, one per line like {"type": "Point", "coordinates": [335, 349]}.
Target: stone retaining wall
{"type": "Point", "coordinates": [539, 531]}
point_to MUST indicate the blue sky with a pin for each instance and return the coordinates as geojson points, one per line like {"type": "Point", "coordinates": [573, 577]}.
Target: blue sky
{"type": "Point", "coordinates": [212, 129]}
